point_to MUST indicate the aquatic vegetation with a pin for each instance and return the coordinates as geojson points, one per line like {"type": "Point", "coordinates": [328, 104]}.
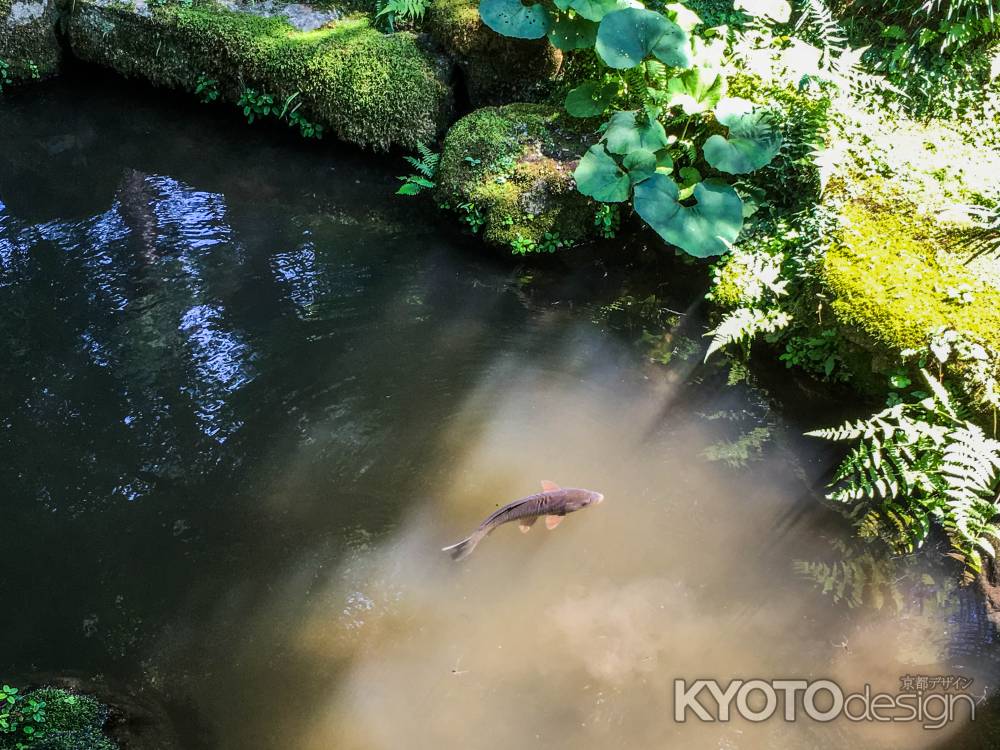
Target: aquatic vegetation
{"type": "Point", "coordinates": [206, 89]}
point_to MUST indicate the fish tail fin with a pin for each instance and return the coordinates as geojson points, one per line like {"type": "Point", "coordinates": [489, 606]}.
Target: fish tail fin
{"type": "Point", "coordinates": [464, 548]}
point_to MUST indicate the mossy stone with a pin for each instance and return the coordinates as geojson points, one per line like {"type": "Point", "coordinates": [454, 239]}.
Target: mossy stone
{"type": "Point", "coordinates": [373, 89]}
{"type": "Point", "coordinates": [496, 69]}
{"type": "Point", "coordinates": [514, 165]}
{"type": "Point", "coordinates": [28, 43]}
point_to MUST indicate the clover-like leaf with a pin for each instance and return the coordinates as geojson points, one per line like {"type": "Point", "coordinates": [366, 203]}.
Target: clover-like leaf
{"type": "Point", "coordinates": [640, 164]}
{"type": "Point", "coordinates": [707, 228]}
{"type": "Point", "coordinates": [599, 176]}
{"type": "Point", "coordinates": [572, 33]}
{"type": "Point", "coordinates": [627, 36]}
{"type": "Point", "coordinates": [624, 133]}
{"type": "Point", "coordinates": [590, 98]}
{"type": "Point", "coordinates": [696, 90]}
{"type": "Point", "coordinates": [513, 18]}
{"type": "Point", "coordinates": [753, 140]}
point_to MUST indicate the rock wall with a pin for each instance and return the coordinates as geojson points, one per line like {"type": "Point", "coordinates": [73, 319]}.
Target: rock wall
{"type": "Point", "coordinates": [373, 89]}
{"type": "Point", "coordinates": [29, 48]}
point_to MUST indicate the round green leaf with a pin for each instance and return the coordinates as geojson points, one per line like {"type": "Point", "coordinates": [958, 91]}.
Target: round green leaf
{"type": "Point", "coordinates": [640, 164]}
{"type": "Point", "coordinates": [593, 10]}
{"type": "Point", "coordinates": [626, 37]}
{"type": "Point", "coordinates": [599, 176]}
{"type": "Point", "coordinates": [696, 90]}
{"type": "Point", "coordinates": [684, 17]}
{"type": "Point", "coordinates": [707, 228]}
{"type": "Point", "coordinates": [753, 140]}
{"type": "Point", "coordinates": [590, 98]}
{"type": "Point", "coordinates": [625, 134]}
{"type": "Point", "coordinates": [573, 33]}
{"type": "Point", "coordinates": [513, 18]}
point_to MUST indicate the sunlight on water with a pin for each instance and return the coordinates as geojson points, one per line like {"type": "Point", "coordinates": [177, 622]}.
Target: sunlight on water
{"type": "Point", "coordinates": [247, 404]}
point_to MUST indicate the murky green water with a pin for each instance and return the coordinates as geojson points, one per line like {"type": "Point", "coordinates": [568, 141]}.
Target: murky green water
{"type": "Point", "coordinates": [246, 397]}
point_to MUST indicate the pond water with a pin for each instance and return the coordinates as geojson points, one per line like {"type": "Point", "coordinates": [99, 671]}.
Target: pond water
{"type": "Point", "coordinates": [247, 396]}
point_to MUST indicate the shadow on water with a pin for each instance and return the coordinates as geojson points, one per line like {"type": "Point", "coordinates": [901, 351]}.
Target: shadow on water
{"type": "Point", "coordinates": [248, 395]}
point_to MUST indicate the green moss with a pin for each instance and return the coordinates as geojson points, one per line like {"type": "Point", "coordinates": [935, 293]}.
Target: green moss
{"type": "Point", "coordinates": [514, 165]}
{"type": "Point", "coordinates": [28, 46]}
{"type": "Point", "coordinates": [496, 69]}
{"type": "Point", "coordinates": [372, 89]}
{"type": "Point", "coordinates": [886, 279]}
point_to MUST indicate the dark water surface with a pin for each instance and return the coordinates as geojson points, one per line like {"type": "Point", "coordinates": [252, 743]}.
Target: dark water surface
{"type": "Point", "coordinates": [246, 394]}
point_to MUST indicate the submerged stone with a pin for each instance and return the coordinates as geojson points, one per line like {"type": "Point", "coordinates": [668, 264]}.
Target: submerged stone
{"type": "Point", "coordinates": [373, 89]}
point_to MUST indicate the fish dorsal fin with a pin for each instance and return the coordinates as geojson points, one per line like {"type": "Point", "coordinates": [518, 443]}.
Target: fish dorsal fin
{"type": "Point", "coordinates": [548, 486]}
{"type": "Point", "coordinates": [552, 521]}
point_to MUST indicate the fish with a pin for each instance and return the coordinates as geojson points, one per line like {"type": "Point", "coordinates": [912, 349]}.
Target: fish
{"type": "Point", "coordinates": [553, 502]}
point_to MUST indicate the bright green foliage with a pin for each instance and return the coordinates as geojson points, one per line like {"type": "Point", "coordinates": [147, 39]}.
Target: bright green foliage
{"type": "Point", "coordinates": [426, 165]}
{"type": "Point", "coordinates": [709, 227]}
{"type": "Point", "coordinates": [668, 78]}
{"type": "Point", "coordinates": [256, 104]}
{"type": "Point", "coordinates": [919, 464]}
{"type": "Point", "coordinates": [401, 12]}
{"type": "Point", "coordinates": [752, 143]}
{"type": "Point", "coordinates": [627, 37]}
{"type": "Point", "coordinates": [206, 89]}
{"type": "Point", "coordinates": [818, 354]}
{"type": "Point", "coordinates": [513, 18]}
{"type": "Point", "coordinates": [372, 89]}
{"type": "Point", "coordinates": [51, 719]}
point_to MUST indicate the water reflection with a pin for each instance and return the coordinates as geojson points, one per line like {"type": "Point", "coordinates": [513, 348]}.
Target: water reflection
{"type": "Point", "coordinates": [245, 410]}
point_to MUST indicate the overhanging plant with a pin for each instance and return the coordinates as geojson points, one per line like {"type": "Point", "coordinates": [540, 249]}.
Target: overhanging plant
{"type": "Point", "coordinates": [669, 155]}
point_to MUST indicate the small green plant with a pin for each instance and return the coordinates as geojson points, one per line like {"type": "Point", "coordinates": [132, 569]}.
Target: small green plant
{"type": "Point", "coordinates": [256, 104]}
{"type": "Point", "coordinates": [607, 220]}
{"type": "Point", "coordinates": [472, 215]}
{"type": "Point", "coordinates": [33, 70]}
{"type": "Point", "coordinates": [426, 165]}
{"type": "Point", "coordinates": [817, 354]}
{"type": "Point", "coordinates": [206, 89]}
{"type": "Point", "coordinates": [919, 464]}
{"type": "Point", "coordinates": [401, 12]}
{"type": "Point", "coordinates": [5, 79]}
{"type": "Point", "coordinates": [307, 128]}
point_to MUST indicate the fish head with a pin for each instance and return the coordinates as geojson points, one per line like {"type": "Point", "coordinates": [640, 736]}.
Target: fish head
{"type": "Point", "coordinates": [582, 498]}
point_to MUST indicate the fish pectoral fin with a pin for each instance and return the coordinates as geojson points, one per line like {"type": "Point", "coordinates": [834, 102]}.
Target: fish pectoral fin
{"type": "Point", "coordinates": [552, 521]}
{"type": "Point", "coordinates": [526, 524]}
{"type": "Point", "coordinates": [548, 486]}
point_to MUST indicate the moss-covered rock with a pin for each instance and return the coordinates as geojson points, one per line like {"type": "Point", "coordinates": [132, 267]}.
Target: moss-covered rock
{"type": "Point", "coordinates": [28, 45]}
{"type": "Point", "coordinates": [376, 90]}
{"type": "Point", "coordinates": [509, 170]}
{"type": "Point", "coordinates": [886, 279]}
{"type": "Point", "coordinates": [60, 720]}
{"type": "Point", "coordinates": [496, 69]}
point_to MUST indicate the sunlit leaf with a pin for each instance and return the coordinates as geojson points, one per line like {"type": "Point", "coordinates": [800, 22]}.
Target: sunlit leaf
{"type": "Point", "coordinates": [626, 37]}
{"type": "Point", "coordinates": [696, 90]}
{"type": "Point", "coordinates": [707, 228]}
{"type": "Point", "coordinates": [625, 133]}
{"type": "Point", "coordinates": [776, 10]}
{"type": "Point", "coordinates": [753, 140]}
{"type": "Point", "coordinates": [640, 164]}
{"type": "Point", "coordinates": [513, 18]}
{"type": "Point", "coordinates": [599, 176]}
